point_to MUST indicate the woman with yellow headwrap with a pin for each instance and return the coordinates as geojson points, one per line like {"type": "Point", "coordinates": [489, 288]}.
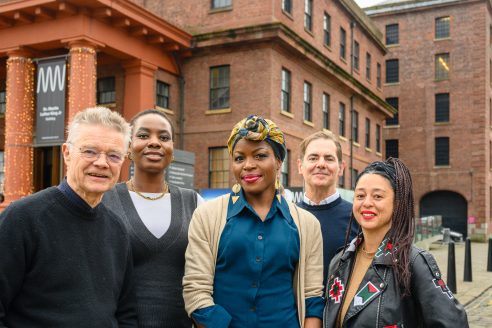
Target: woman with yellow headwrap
{"type": "Point", "coordinates": [254, 260]}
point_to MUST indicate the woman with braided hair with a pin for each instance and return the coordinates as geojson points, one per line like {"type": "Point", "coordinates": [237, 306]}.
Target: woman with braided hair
{"type": "Point", "coordinates": [381, 279]}
{"type": "Point", "coordinates": [254, 260]}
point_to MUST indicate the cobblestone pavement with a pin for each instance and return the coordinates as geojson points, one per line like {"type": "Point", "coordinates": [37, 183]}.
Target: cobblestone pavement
{"type": "Point", "coordinates": [480, 311]}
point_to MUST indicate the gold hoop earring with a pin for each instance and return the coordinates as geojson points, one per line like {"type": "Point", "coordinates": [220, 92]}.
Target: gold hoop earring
{"type": "Point", "coordinates": [130, 156]}
{"type": "Point", "coordinates": [236, 188]}
{"type": "Point", "coordinates": [278, 189]}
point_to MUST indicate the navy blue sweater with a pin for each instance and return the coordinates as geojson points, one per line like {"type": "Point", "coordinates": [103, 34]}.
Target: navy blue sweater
{"type": "Point", "coordinates": [334, 218]}
{"type": "Point", "coordinates": [64, 266]}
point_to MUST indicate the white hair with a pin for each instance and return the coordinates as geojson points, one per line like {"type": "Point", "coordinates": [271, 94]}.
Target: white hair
{"type": "Point", "coordinates": [98, 116]}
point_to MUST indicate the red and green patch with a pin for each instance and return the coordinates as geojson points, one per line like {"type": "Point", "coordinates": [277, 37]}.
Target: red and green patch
{"type": "Point", "coordinates": [439, 283]}
{"type": "Point", "coordinates": [385, 248]}
{"type": "Point", "coordinates": [368, 292]}
{"type": "Point", "coordinates": [336, 290]}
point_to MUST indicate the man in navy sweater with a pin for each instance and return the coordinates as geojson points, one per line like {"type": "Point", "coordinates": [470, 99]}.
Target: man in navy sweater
{"type": "Point", "coordinates": [65, 259]}
{"type": "Point", "coordinates": [320, 163]}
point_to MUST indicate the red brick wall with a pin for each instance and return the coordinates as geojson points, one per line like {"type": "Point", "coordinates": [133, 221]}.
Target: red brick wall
{"type": "Point", "coordinates": [255, 88]}
{"type": "Point", "coordinates": [196, 17]}
{"type": "Point", "coordinates": [469, 88]}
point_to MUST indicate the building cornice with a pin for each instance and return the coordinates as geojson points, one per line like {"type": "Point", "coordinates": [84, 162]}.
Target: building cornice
{"type": "Point", "coordinates": [121, 14]}
{"type": "Point", "coordinates": [288, 38]}
{"type": "Point", "coordinates": [412, 5]}
{"type": "Point", "coordinates": [365, 22]}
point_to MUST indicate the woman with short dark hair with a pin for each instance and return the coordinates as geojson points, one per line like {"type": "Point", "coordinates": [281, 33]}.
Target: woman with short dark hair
{"type": "Point", "coordinates": [157, 216]}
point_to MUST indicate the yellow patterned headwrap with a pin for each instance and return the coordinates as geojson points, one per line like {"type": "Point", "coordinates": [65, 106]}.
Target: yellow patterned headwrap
{"type": "Point", "coordinates": [256, 128]}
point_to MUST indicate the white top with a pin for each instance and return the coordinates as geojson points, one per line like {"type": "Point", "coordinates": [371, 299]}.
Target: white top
{"type": "Point", "coordinates": [155, 214]}
{"type": "Point", "coordinates": [325, 201]}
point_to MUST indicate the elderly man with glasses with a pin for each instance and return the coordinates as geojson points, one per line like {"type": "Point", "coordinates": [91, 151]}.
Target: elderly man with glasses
{"type": "Point", "coordinates": [65, 259]}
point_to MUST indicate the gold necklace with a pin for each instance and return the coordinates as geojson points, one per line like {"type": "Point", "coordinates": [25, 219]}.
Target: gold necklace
{"type": "Point", "coordinates": [166, 189]}
{"type": "Point", "coordinates": [367, 254]}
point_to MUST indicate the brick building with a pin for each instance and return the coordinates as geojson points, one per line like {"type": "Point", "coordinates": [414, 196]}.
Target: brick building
{"type": "Point", "coordinates": [114, 53]}
{"type": "Point", "coordinates": [308, 65]}
{"type": "Point", "coordinates": [438, 74]}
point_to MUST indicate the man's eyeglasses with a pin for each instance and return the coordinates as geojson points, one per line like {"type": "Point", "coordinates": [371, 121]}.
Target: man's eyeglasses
{"type": "Point", "coordinates": [92, 155]}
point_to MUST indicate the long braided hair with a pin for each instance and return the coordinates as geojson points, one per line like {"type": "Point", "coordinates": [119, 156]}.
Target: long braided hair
{"type": "Point", "coordinates": [402, 229]}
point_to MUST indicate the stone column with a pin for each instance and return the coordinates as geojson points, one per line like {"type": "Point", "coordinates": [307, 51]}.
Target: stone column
{"type": "Point", "coordinates": [82, 77]}
{"type": "Point", "coordinates": [139, 87]}
{"type": "Point", "coordinates": [19, 126]}
{"type": "Point", "coordinates": [139, 94]}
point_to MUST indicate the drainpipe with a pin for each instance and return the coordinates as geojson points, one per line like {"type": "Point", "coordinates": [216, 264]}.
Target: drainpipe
{"type": "Point", "coordinates": [351, 159]}
{"type": "Point", "coordinates": [181, 84]}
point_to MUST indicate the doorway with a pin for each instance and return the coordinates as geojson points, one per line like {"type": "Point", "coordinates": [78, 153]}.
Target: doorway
{"type": "Point", "coordinates": [452, 206]}
{"type": "Point", "coordinates": [48, 167]}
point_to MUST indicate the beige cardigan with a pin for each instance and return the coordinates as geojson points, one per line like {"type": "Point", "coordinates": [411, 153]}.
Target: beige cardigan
{"type": "Point", "coordinates": [204, 232]}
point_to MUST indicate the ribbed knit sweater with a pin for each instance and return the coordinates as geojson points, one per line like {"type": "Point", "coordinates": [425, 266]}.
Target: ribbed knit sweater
{"type": "Point", "coordinates": [158, 262]}
{"type": "Point", "coordinates": [334, 218]}
{"type": "Point", "coordinates": [64, 266]}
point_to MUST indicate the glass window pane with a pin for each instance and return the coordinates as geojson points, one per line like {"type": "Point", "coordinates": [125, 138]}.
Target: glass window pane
{"type": "Point", "coordinates": [392, 34]}
{"type": "Point", "coordinates": [392, 71]}
{"type": "Point", "coordinates": [219, 87]}
{"type": "Point", "coordinates": [442, 107]}
{"type": "Point", "coordinates": [442, 27]}
{"type": "Point", "coordinates": [442, 67]}
{"type": "Point", "coordinates": [218, 167]}
{"type": "Point", "coordinates": [395, 120]}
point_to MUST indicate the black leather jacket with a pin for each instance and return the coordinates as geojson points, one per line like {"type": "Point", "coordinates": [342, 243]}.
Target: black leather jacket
{"type": "Point", "coordinates": [378, 303]}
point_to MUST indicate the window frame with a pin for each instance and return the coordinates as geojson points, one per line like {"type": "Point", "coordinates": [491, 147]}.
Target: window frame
{"type": "Point", "coordinates": [284, 170]}
{"type": "Point", "coordinates": [368, 66]}
{"type": "Point", "coordinates": [327, 29]}
{"type": "Point", "coordinates": [442, 28]}
{"type": "Point", "coordinates": [343, 43]}
{"type": "Point", "coordinates": [355, 126]}
{"type": "Point", "coordinates": [442, 107]}
{"type": "Point", "coordinates": [368, 133]}
{"type": "Point", "coordinates": [392, 71]}
{"type": "Point", "coordinates": [441, 66]}
{"type": "Point", "coordinates": [392, 37]}
{"type": "Point", "coordinates": [214, 4]}
{"type": "Point", "coordinates": [395, 120]}
{"type": "Point", "coordinates": [395, 146]}
{"type": "Point", "coordinates": [213, 89]}
{"type": "Point", "coordinates": [107, 91]}
{"type": "Point", "coordinates": [285, 93]}
{"type": "Point", "coordinates": [441, 151]}
{"type": "Point", "coordinates": [287, 6]}
{"type": "Point", "coordinates": [165, 98]}
{"type": "Point", "coordinates": [378, 138]}
{"type": "Point", "coordinates": [379, 75]}
{"type": "Point", "coordinates": [326, 110]}
{"type": "Point", "coordinates": [341, 118]}
{"type": "Point", "coordinates": [356, 55]}
{"type": "Point", "coordinates": [308, 15]}
{"type": "Point", "coordinates": [3, 101]}
{"type": "Point", "coordinates": [223, 181]}
{"type": "Point", "coordinates": [308, 101]}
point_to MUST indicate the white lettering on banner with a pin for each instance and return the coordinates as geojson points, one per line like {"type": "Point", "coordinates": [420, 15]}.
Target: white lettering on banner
{"type": "Point", "coordinates": [50, 113]}
{"type": "Point", "coordinates": [48, 78]}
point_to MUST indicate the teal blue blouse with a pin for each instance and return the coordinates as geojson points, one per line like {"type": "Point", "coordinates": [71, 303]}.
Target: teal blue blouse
{"type": "Point", "coordinates": [254, 272]}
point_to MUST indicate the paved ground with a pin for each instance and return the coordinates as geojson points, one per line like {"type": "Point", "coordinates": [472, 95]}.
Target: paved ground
{"type": "Point", "coordinates": [477, 294]}
{"type": "Point", "coordinates": [480, 311]}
